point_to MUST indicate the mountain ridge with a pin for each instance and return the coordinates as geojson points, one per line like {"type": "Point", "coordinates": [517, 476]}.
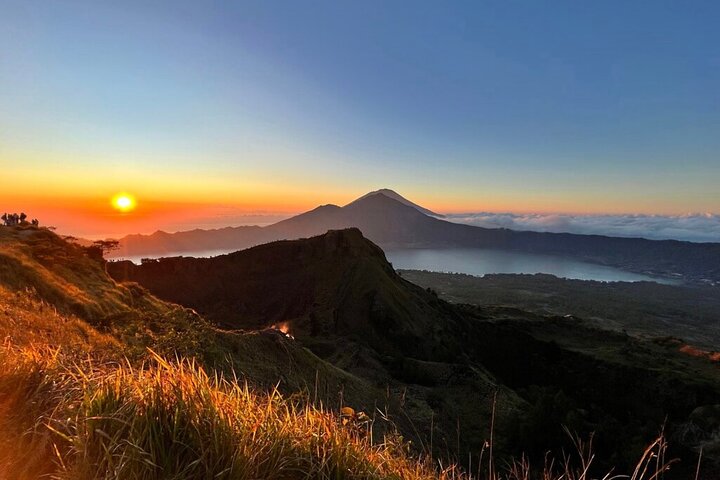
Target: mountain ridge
{"type": "Point", "coordinates": [335, 283]}
{"type": "Point", "coordinates": [393, 224]}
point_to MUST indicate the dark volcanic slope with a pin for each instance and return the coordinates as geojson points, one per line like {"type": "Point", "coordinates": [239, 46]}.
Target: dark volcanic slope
{"type": "Point", "coordinates": [335, 284]}
{"type": "Point", "coordinates": [391, 224]}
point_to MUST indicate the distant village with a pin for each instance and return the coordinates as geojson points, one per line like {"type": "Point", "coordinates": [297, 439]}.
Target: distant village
{"type": "Point", "coordinates": [13, 219]}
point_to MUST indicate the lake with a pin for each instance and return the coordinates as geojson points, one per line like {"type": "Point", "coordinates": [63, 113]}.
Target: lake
{"type": "Point", "coordinates": [476, 261]}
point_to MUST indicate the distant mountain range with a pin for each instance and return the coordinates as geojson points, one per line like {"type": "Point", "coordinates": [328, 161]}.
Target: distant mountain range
{"type": "Point", "coordinates": [392, 221]}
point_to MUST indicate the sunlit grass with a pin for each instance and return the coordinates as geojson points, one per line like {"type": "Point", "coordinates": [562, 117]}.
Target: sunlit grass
{"type": "Point", "coordinates": [83, 419]}
{"type": "Point", "coordinates": [173, 420]}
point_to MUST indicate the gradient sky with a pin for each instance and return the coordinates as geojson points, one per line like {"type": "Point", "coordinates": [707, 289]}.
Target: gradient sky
{"type": "Point", "coordinates": [215, 109]}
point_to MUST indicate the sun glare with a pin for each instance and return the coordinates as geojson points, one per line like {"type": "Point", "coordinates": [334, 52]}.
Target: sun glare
{"type": "Point", "coordinates": [123, 202]}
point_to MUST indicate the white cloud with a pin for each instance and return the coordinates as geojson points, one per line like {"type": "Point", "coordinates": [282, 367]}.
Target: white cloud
{"type": "Point", "coordinates": [691, 227]}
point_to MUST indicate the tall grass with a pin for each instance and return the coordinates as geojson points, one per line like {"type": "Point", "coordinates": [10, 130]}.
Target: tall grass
{"type": "Point", "coordinates": [73, 419]}
{"type": "Point", "coordinates": [174, 421]}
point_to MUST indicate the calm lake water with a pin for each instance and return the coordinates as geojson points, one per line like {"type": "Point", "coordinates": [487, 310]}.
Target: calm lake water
{"type": "Point", "coordinates": [475, 261]}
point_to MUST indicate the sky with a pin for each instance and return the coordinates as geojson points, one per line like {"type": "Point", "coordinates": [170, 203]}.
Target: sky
{"type": "Point", "coordinates": [236, 112]}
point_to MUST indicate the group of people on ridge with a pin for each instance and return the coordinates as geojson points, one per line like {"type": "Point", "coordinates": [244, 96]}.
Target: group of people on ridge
{"type": "Point", "coordinates": [12, 219]}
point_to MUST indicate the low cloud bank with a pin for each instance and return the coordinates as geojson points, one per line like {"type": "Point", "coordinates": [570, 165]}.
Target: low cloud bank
{"type": "Point", "coordinates": [692, 227]}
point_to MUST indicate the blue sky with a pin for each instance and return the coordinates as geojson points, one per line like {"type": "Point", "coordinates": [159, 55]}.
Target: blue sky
{"type": "Point", "coordinates": [602, 107]}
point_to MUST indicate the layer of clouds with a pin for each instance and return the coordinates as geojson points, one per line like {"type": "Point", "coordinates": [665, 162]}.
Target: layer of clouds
{"type": "Point", "coordinates": [692, 227]}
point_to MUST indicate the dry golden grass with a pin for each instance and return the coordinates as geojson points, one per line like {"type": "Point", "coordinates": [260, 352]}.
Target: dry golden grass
{"type": "Point", "coordinates": [174, 421]}
{"type": "Point", "coordinates": [26, 319]}
{"type": "Point", "coordinates": [60, 272]}
{"type": "Point", "coordinates": [84, 419]}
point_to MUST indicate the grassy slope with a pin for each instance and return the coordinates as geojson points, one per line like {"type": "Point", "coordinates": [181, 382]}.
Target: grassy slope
{"type": "Point", "coordinates": [65, 326]}
{"type": "Point", "coordinates": [65, 418]}
{"type": "Point", "coordinates": [53, 286]}
{"type": "Point", "coordinates": [91, 420]}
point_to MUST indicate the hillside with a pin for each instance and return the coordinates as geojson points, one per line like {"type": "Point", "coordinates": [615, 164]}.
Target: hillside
{"type": "Point", "coordinates": [364, 337]}
{"type": "Point", "coordinates": [337, 284]}
{"type": "Point", "coordinates": [84, 420]}
{"type": "Point", "coordinates": [340, 298]}
{"type": "Point", "coordinates": [58, 293]}
{"type": "Point", "coordinates": [66, 326]}
{"type": "Point", "coordinates": [393, 223]}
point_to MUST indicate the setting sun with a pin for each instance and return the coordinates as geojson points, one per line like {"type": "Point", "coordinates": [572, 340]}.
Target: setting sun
{"type": "Point", "coordinates": [123, 202]}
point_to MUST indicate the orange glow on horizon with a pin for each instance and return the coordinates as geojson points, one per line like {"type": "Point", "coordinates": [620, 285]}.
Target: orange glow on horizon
{"type": "Point", "coordinates": [183, 200]}
{"type": "Point", "coordinates": [81, 196]}
{"type": "Point", "coordinates": [92, 216]}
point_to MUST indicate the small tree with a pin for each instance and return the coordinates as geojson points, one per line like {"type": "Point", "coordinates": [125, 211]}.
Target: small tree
{"type": "Point", "coordinates": [106, 246]}
{"type": "Point", "coordinates": [100, 248]}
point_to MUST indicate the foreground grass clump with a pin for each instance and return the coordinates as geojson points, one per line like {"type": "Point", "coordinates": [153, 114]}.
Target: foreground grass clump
{"type": "Point", "coordinates": [174, 421]}
{"type": "Point", "coordinates": [68, 418]}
